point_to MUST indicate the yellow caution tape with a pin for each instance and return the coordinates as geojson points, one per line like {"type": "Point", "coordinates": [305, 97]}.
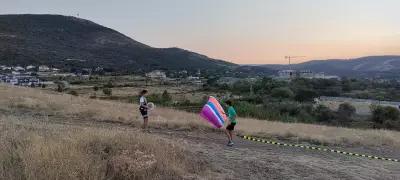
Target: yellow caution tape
{"type": "Point", "coordinates": [317, 148]}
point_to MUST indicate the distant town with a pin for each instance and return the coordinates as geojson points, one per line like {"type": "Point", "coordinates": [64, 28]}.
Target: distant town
{"type": "Point", "coordinates": [36, 76]}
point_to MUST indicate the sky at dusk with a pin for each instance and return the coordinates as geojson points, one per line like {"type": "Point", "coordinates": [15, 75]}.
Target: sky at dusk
{"type": "Point", "coordinates": [242, 31]}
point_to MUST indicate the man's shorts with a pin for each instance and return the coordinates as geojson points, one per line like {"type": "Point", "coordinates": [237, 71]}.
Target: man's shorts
{"type": "Point", "coordinates": [143, 112]}
{"type": "Point", "coordinates": [231, 127]}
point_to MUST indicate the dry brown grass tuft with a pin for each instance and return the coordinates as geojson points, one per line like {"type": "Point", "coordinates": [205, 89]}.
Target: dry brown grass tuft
{"type": "Point", "coordinates": [33, 149]}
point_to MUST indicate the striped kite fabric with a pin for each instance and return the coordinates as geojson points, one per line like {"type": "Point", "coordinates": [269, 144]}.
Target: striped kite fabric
{"type": "Point", "coordinates": [213, 113]}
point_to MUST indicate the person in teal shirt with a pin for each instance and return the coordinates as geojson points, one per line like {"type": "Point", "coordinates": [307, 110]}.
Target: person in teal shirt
{"type": "Point", "coordinates": [232, 122]}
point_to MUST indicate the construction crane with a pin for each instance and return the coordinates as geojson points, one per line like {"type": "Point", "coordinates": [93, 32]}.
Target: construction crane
{"type": "Point", "coordinates": [292, 57]}
{"type": "Point", "coordinates": [289, 58]}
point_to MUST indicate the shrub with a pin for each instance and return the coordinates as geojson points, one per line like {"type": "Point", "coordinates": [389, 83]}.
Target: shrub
{"type": "Point", "coordinates": [345, 113]}
{"type": "Point", "coordinates": [109, 84]}
{"type": "Point", "coordinates": [282, 93]}
{"type": "Point", "coordinates": [289, 108]}
{"type": "Point", "coordinates": [385, 117]}
{"type": "Point", "coordinates": [60, 87]}
{"type": "Point", "coordinates": [95, 88]}
{"type": "Point", "coordinates": [305, 95]}
{"type": "Point", "coordinates": [346, 110]}
{"type": "Point", "coordinates": [245, 109]}
{"type": "Point", "coordinates": [107, 91]}
{"type": "Point", "coordinates": [74, 93]}
{"type": "Point", "coordinates": [324, 114]}
{"type": "Point", "coordinates": [166, 97]}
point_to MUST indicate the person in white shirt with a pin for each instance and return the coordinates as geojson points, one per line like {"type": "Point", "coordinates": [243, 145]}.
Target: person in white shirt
{"type": "Point", "coordinates": [143, 108]}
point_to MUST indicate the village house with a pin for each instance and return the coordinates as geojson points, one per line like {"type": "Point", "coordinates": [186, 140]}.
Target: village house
{"type": "Point", "coordinates": [18, 68]}
{"type": "Point", "coordinates": [20, 80]}
{"type": "Point", "coordinates": [30, 67]}
{"type": "Point", "coordinates": [156, 74]}
{"type": "Point", "coordinates": [4, 68]}
{"type": "Point", "coordinates": [44, 68]}
{"type": "Point", "coordinates": [290, 74]}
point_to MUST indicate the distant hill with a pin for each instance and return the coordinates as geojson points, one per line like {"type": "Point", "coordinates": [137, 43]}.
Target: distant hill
{"type": "Point", "coordinates": [63, 41]}
{"type": "Point", "coordinates": [365, 66]}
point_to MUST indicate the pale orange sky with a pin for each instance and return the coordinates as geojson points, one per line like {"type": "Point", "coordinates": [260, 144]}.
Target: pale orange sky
{"type": "Point", "coordinates": [243, 31]}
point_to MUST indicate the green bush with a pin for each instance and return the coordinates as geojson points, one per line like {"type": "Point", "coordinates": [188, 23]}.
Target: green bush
{"type": "Point", "coordinates": [305, 95]}
{"type": "Point", "coordinates": [109, 84]}
{"type": "Point", "coordinates": [282, 93]}
{"type": "Point", "coordinates": [245, 109]}
{"type": "Point", "coordinates": [107, 91]}
{"type": "Point", "coordinates": [166, 97]}
{"type": "Point", "coordinates": [324, 114]}
{"type": "Point", "coordinates": [289, 108]}
{"type": "Point", "coordinates": [345, 113]}
{"type": "Point", "coordinates": [346, 110]}
{"type": "Point", "coordinates": [60, 88]}
{"type": "Point", "coordinates": [73, 92]}
{"type": "Point", "coordinates": [385, 117]}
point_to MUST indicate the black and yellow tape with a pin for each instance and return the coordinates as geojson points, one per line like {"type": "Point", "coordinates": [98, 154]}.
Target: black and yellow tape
{"type": "Point", "coordinates": [316, 148]}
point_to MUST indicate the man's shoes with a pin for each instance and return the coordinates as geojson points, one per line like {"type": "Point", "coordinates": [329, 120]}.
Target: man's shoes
{"type": "Point", "coordinates": [230, 144]}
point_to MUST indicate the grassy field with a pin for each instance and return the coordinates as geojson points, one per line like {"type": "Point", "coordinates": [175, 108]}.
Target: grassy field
{"type": "Point", "coordinates": [59, 136]}
{"type": "Point", "coordinates": [363, 107]}
{"type": "Point", "coordinates": [33, 149]}
{"type": "Point", "coordinates": [97, 110]}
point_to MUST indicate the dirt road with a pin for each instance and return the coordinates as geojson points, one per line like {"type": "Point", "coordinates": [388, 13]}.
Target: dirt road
{"type": "Point", "coordinates": [250, 160]}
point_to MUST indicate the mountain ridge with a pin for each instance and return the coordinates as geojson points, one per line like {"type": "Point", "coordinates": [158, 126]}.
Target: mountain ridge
{"type": "Point", "coordinates": [51, 39]}
{"type": "Point", "coordinates": [363, 66]}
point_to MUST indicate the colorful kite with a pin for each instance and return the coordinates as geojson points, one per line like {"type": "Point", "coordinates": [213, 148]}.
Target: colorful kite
{"type": "Point", "coordinates": [213, 113]}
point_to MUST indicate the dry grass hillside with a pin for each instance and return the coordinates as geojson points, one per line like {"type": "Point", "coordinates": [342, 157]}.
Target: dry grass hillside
{"type": "Point", "coordinates": [57, 136]}
{"type": "Point", "coordinates": [71, 108]}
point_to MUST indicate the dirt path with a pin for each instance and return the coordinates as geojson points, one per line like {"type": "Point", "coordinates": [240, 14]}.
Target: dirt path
{"type": "Point", "coordinates": [250, 160]}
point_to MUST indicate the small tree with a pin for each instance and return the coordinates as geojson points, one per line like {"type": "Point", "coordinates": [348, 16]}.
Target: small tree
{"type": "Point", "coordinates": [305, 95]}
{"type": "Point", "coordinates": [107, 91]}
{"type": "Point", "coordinates": [346, 110]}
{"type": "Point", "coordinates": [74, 93]}
{"type": "Point", "coordinates": [166, 97]}
{"type": "Point", "coordinates": [282, 93]}
{"type": "Point", "coordinates": [345, 113]}
{"type": "Point", "coordinates": [324, 114]}
{"type": "Point", "coordinates": [109, 84]}
{"type": "Point", "coordinates": [60, 87]}
{"type": "Point", "coordinates": [385, 117]}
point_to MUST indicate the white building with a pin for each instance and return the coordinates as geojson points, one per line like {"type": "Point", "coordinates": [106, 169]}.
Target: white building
{"type": "Point", "coordinates": [193, 78]}
{"type": "Point", "coordinates": [5, 68]}
{"type": "Point", "coordinates": [30, 67]}
{"type": "Point", "coordinates": [44, 68]}
{"type": "Point", "coordinates": [55, 69]}
{"type": "Point", "coordinates": [287, 74]}
{"type": "Point", "coordinates": [156, 74]}
{"type": "Point", "coordinates": [18, 68]}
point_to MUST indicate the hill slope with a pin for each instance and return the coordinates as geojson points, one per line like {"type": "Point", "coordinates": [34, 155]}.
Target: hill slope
{"type": "Point", "coordinates": [55, 136]}
{"type": "Point", "coordinates": [58, 40]}
{"type": "Point", "coordinates": [365, 66]}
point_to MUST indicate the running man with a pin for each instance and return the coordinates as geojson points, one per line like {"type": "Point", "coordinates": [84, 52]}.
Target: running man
{"type": "Point", "coordinates": [232, 119]}
{"type": "Point", "coordinates": [143, 108]}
